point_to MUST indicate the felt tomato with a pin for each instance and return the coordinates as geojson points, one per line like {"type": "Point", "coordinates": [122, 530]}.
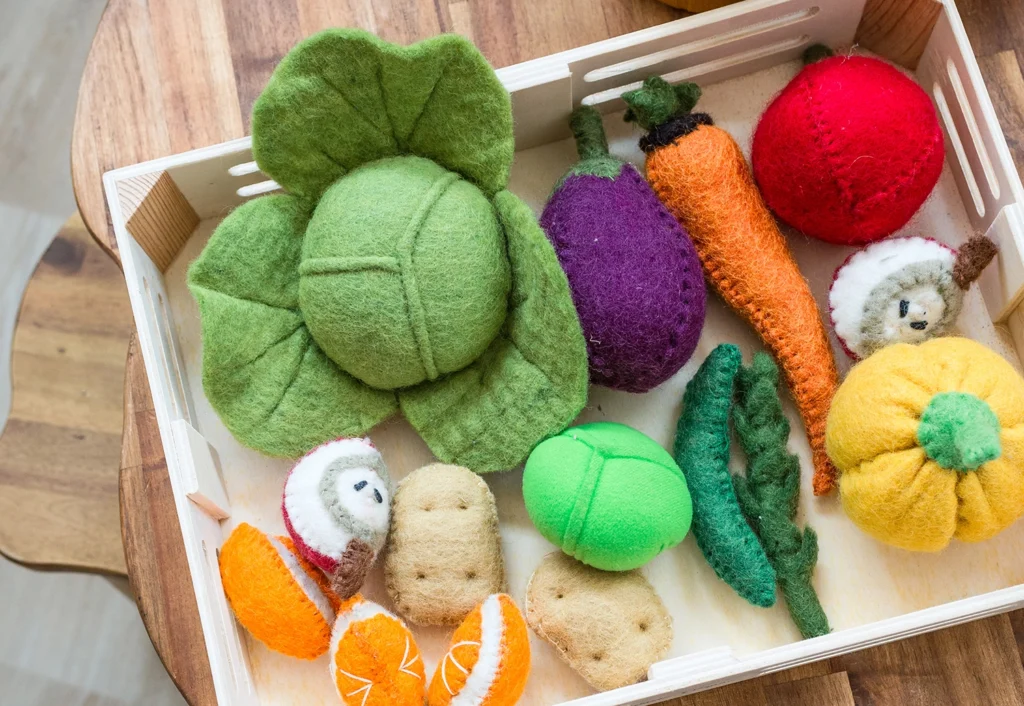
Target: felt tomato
{"type": "Point", "coordinates": [849, 150]}
{"type": "Point", "coordinates": [930, 443]}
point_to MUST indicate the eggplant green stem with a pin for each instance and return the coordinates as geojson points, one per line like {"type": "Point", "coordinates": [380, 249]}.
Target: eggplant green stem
{"type": "Point", "coordinates": [588, 129]}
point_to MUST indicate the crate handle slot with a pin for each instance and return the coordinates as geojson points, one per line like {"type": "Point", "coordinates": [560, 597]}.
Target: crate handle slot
{"type": "Point", "coordinates": [958, 148]}
{"type": "Point", "coordinates": [657, 58]}
{"type": "Point", "coordinates": [972, 127]}
{"type": "Point", "coordinates": [263, 187]}
{"type": "Point", "coordinates": [243, 169]}
{"type": "Point", "coordinates": [693, 72]}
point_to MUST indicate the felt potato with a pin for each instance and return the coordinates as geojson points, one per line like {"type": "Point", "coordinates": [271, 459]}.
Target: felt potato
{"type": "Point", "coordinates": [374, 660]}
{"type": "Point", "coordinates": [903, 290]}
{"type": "Point", "coordinates": [609, 626]}
{"type": "Point", "coordinates": [849, 150]}
{"type": "Point", "coordinates": [930, 443]}
{"type": "Point", "coordinates": [607, 494]}
{"type": "Point", "coordinates": [337, 508]}
{"type": "Point", "coordinates": [635, 277]}
{"type": "Point", "coordinates": [279, 597]}
{"type": "Point", "coordinates": [488, 661]}
{"type": "Point", "coordinates": [396, 271]}
{"type": "Point", "coordinates": [444, 550]}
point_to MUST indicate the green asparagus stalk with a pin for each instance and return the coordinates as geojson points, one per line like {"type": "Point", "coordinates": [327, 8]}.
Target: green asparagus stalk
{"type": "Point", "coordinates": [769, 495]}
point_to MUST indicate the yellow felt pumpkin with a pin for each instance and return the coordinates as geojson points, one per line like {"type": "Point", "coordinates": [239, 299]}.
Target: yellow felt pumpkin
{"type": "Point", "coordinates": [929, 440]}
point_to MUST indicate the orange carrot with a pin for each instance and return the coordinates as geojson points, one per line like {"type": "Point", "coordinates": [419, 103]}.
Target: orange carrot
{"type": "Point", "coordinates": [702, 177]}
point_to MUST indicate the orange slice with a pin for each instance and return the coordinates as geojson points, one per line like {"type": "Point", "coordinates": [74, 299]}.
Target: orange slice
{"type": "Point", "coordinates": [374, 658]}
{"type": "Point", "coordinates": [489, 658]}
{"type": "Point", "coordinates": [279, 597]}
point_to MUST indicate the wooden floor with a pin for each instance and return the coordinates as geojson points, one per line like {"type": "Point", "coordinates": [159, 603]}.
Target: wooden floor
{"type": "Point", "coordinates": [66, 639]}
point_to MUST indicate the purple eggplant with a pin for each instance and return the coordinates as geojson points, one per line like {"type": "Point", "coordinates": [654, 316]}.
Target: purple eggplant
{"type": "Point", "coordinates": [634, 274]}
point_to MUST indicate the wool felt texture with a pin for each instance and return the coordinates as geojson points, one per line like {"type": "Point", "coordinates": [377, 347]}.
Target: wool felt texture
{"type": "Point", "coordinates": [444, 550]}
{"type": "Point", "coordinates": [849, 150]}
{"type": "Point", "coordinates": [279, 597]}
{"type": "Point", "coordinates": [405, 289]}
{"type": "Point", "coordinates": [270, 383]}
{"type": "Point", "coordinates": [337, 509]}
{"type": "Point", "coordinates": [900, 290]}
{"type": "Point", "coordinates": [488, 661]}
{"type": "Point", "coordinates": [607, 495]}
{"type": "Point", "coordinates": [770, 492]}
{"type": "Point", "coordinates": [374, 660]}
{"type": "Point", "coordinates": [609, 627]}
{"type": "Point", "coordinates": [344, 98]}
{"type": "Point", "coordinates": [972, 259]}
{"type": "Point", "coordinates": [702, 452]}
{"type": "Point", "coordinates": [925, 466]}
{"type": "Point", "coordinates": [703, 179]}
{"type": "Point", "coordinates": [395, 272]}
{"type": "Point", "coordinates": [635, 277]}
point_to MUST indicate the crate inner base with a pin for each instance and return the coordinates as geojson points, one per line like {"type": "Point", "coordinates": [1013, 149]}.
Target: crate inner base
{"type": "Point", "coordinates": [858, 579]}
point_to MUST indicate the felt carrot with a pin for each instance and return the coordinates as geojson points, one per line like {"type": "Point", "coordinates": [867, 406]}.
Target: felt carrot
{"type": "Point", "coordinates": [701, 175]}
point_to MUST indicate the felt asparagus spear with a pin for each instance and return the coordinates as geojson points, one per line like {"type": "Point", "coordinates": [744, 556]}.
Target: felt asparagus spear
{"type": "Point", "coordinates": [701, 175]}
{"type": "Point", "coordinates": [770, 492]}
{"type": "Point", "coordinates": [634, 275]}
{"type": "Point", "coordinates": [702, 451]}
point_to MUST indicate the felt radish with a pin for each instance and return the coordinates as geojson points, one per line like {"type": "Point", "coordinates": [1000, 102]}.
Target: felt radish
{"type": "Point", "coordinates": [635, 277]}
{"type": "Point", "coordinates": [849, 150]}
{"type": "Point", "coordinates": [337, 508]}
{"type": "Point", "coordinates": [903, 290]}
{"type": "Point", "coordinates": [699, 172]}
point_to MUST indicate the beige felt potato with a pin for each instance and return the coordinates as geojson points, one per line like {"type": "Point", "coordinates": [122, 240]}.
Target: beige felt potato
{"type": "Point", "coordinates": [609, 626]}
{"type": "Point", "coordinates": [444, 550]}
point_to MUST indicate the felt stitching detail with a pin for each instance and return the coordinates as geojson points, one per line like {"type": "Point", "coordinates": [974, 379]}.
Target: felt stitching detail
{"type": "Point", "coordinates": [295, 376]}
{"type": "Point", "coordinates": [583, 502]}
{"type": "Point", "coordinates": [338, 265]}
{"type": "Point", "coordinates": [358, 112]}
{"type": "Point", "coordinates": [406, 246]}
{"type": "Point", "coordinates": [426, 102]}
{"type": "Point", "coordinates": [823, 136]}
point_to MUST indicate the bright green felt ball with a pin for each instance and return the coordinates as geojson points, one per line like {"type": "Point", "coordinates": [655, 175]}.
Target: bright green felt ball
{"type": "Point", "coordinates": [404, 275]}
{"type": "Point", "coordinates": [607, 495]}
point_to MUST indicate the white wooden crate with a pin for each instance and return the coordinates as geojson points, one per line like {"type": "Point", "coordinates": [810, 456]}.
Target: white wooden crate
{"type": "Point", "coordinates": [164, 211]}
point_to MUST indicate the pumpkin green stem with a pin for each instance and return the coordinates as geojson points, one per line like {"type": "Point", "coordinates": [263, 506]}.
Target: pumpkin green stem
{"type": "Point", "coordinates": [959, 431]}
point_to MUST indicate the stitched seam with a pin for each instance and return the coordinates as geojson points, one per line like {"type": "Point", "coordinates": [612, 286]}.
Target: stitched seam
{"type": "Point", "coordinates": [426, 102]}
{"type": "Point", "coordinates": [295, 376]}
{"type": "Point", "coordinates": [901, 182]}
{"type": "Point", "coordinates": [584, 500]}
{"type": "Point", "coordinates": [406, 245]}
{"type": "Point", "coordinates": [339, 265]}
{"type": "Point", "coordinates": [823, 137]}
{"type": "Point", "coordinates": [359, 113]}
{"type": "Point", "coordinates": [812, 410]}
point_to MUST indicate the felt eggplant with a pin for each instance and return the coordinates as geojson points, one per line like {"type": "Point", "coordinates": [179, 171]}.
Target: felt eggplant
{"type": "Point", "coordinates": [634, 274]}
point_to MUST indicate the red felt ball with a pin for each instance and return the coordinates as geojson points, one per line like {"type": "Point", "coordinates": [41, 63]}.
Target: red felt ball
{"type": "Point", "coordinates": [848, 151]}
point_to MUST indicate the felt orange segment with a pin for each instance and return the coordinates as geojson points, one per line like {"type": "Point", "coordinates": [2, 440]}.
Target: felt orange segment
{"type": "Point", "coordinates": [275, 594]}
{"type": "Point", "coordinates": [488, 662]}
{"type": "Point", "coordinates": [374, 658]}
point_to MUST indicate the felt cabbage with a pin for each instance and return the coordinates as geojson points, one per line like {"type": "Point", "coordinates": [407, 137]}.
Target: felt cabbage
{"type": "Point", "coordinates": [396, 272]}
{"type": "Point", "coordinates": [930, 443]}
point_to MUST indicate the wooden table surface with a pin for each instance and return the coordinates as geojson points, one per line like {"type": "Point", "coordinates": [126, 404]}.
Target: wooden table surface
{"type": "Point", "coordinates": [166, 76]}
